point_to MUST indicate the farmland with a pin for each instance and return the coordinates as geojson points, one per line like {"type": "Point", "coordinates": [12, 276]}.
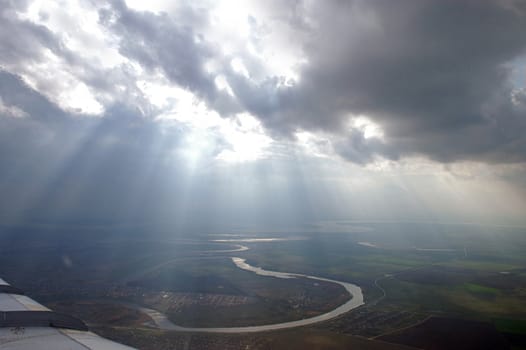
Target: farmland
{"type": "Point", "coordinates": [431, 274]}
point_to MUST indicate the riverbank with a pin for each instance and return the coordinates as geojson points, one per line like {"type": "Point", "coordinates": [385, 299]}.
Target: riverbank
{"type": "Point", "coordinates": [355, 300]}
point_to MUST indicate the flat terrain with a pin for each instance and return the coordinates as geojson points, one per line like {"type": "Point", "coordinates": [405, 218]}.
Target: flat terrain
{"type": "Point", "coordinates": [409, 273]}
{"type": "Point", "coordinates": [292, 339]}
{"type": "Point", "coordinates": [450, 333]}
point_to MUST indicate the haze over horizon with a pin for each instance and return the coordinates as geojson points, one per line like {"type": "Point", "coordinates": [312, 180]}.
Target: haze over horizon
{"type": "Point", "coordinates": [262, 113]}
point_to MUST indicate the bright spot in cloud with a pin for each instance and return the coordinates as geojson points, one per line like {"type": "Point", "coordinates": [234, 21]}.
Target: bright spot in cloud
{"type": "Point", "coordinates": [79, 99]}
{"type": "Point", "coordinates": [155, 6]}
{"type": "Point", "coordinates": [159, 93]}
{"type": "Point", "coordinates": [246, 137]}
{"type": "Point", "coordinates": [232, 17]}
{"type": "Point", "coordinates": [239, 67]}
{"type": "Point", "coordinates": [314, 144]}
{"type": "Point", "coordinates": [242, 136]}
{"type": "Point", "coordinates": [222, 84]}
{"type": "Point", "coordinates": [369, 128]}
{"type": "Point", "coordinates": [52, 78]}
{"type": "Point", "coordinates": [76, 23]}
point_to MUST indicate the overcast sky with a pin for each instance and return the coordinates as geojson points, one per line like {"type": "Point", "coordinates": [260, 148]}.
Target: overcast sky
{"type": "Point", "coordinates": [262, 113]}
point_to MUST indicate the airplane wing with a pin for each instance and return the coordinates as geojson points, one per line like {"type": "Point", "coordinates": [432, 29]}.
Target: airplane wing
{"type": "Point", "coordinates": [26, 324]}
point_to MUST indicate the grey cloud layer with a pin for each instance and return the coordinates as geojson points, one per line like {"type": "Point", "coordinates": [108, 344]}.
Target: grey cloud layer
{"type": "Point", "coordinates": [171, 45]}
{"type": "Point", "coordinates": [433, 74]}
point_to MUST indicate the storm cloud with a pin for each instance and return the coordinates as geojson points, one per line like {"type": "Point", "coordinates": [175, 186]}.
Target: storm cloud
{"type": "Point", "coordinates": [117, 108]}
{"type": "Point", "coordinates": [435, 75]}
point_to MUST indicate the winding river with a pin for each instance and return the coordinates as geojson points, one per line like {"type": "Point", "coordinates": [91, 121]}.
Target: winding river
{"type": "Point", "coordinates": [355, 293]}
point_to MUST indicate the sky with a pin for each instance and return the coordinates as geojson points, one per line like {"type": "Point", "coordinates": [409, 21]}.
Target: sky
{"type": "Point", "coordinates": [224, 114]}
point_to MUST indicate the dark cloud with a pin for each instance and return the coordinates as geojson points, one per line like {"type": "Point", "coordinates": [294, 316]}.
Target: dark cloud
{"type": "Point", "coordinates": [433, 74]}
{"type": "Point", "coordinates": [361, 150]}
{"type": "Point", "coordinates": [171, 44]}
